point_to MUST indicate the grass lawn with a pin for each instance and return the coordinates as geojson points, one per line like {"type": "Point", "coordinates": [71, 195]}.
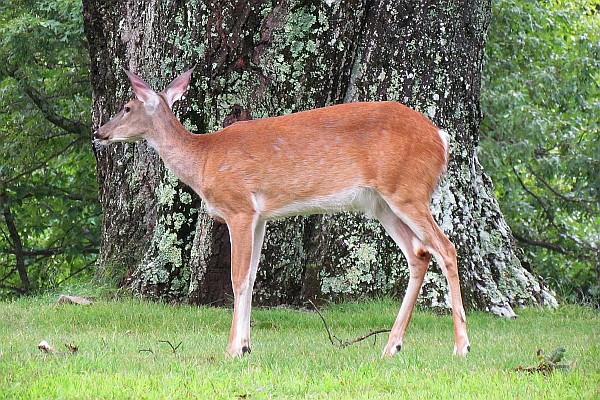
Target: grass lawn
{"type": "Point", "coordinates": [120, 355]}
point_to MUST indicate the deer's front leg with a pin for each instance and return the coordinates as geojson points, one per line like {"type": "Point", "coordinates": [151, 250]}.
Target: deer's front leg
{"type": "Point", "coordinates": [246, 234]}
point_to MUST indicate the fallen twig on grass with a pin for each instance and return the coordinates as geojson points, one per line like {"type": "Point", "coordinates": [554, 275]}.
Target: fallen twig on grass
{"type": "Point", "coordinates": [363, 337]}
{"type": "Point", "coordinates": [331, 337]}
{"type": "Point", "coordinates": [174, 348]}
{"type": "Point", "coordinates": [338, 342]}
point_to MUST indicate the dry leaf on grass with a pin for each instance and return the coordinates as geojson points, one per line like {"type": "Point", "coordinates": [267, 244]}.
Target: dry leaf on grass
{"type": "Point", "coordinates": [63, 298]}
{"type": "Point", "coordinates": [72, 348]}
{"type": "Point", "coordinates": [46, 348]}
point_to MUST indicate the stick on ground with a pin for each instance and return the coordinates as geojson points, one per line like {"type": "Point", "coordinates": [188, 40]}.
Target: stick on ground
{"type": "Point", "coordinates": [339, 343]}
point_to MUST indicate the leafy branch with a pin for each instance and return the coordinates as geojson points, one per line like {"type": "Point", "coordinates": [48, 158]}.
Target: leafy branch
{"type": "Point", "coordinates": [46, 107]}
{"type": "Point", "coordinates": [589, 253]}
{"type": "Point", "coordinates": [42, 163]}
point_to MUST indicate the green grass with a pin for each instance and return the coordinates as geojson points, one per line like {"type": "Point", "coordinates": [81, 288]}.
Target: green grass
{"type": "Point", "coordinates": [291, 357]}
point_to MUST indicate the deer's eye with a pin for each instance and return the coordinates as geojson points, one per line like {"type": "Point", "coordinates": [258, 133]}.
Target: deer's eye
{"type": "Point", "coordinates": [127, 109]}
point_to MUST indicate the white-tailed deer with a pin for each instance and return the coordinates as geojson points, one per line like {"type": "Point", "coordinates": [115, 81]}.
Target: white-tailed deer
{"type": "Point", "coordinates": [381, 158]}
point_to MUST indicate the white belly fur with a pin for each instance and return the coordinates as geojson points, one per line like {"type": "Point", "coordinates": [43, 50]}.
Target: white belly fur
{"type": "Point", "coordinates": [363, 199]}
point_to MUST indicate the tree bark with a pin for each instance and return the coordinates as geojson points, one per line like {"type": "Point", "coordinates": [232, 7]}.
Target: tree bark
{"type": "Point", "coordinates": [17, 244]}
{"type": "Point", "coordinates": [258, 58]}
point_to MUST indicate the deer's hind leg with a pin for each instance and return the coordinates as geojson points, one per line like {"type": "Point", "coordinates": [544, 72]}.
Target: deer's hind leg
{"type": "Point", "coordinates": [419, 237]}
{"type": "Point", "coordinates": [418, 259]}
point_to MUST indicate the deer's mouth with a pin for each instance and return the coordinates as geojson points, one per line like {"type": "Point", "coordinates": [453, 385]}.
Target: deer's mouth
{"type": "Point", "coordinates": [116, 139]}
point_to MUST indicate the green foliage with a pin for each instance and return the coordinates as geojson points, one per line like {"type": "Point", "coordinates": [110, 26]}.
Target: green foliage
{"type": "Point", "coordinates": [547, 363]}
{"type": "Point", "coordinates": [124, 353]}
{"type": "Point", "coordinates": [540, 136]}
{"type": "Point", "coordinates": [49, 217]}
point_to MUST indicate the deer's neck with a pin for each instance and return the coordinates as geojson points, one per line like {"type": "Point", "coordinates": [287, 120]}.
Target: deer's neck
{"type": "Point", "coordinates": [181, 151]}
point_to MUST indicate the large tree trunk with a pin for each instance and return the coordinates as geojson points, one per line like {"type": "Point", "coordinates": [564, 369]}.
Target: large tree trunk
{"type": "Point", "coordinates": [263, 59]}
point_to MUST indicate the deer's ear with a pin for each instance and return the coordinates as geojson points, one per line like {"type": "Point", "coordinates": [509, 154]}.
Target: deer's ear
{"type": "Point", "coordinates": [143, 91]}
{"type": "Point", "coordinates": [177, 88]}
